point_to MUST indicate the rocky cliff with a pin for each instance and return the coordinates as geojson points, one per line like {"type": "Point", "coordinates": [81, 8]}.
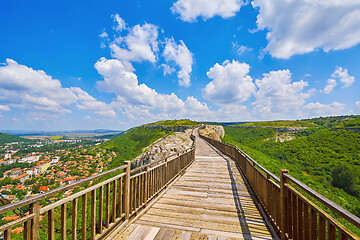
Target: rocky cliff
{"type": "Point", "coordinates": [170, 144]}
{"type": "Point", "coordinates": [213, 131]}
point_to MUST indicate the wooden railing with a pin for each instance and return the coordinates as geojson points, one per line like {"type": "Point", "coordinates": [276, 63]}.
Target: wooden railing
{"type": "Point", "coordinates": [292, 215]}
{"type": "Point", "coordinates": [96, 211]}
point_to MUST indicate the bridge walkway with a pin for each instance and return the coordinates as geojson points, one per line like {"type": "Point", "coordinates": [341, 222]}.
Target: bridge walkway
{"type": "Point", "coordinates": [210, 201]}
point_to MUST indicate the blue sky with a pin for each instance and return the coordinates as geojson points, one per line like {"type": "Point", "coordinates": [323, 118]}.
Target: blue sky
{"type": "Point", "coordinates": [117, 64]}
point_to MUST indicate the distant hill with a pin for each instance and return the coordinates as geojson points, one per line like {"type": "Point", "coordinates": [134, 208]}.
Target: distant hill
{"type": "Point", "coordinates": [6, 138]}
{"type": "Point", "coordinates": [348, 121]}
{"type": "Point", "coordinates": [175, 123]}
{"type": "Point", "coordinates": [334, 121]}
{"type": "Point", "coordinates": [72, 133]}
{"type": "Point", "coordinates": [279, 124]}
{"type": "Point", "coordinates": [224, 124]}
{"type": "Point", "coordinates": [352, 123]}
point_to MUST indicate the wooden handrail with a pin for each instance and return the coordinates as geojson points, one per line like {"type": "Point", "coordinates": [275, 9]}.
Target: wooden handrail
{"type": "Point", "coordinates": [112, 202]}
{"type": "Point", "coordinates": [293, 215]}
{"type": "Point", "coordinates": [245, 155]}
{"type": "Point", "coordinates": [328, 203]}
{"type": "Point", "coordinates": [41, 196]}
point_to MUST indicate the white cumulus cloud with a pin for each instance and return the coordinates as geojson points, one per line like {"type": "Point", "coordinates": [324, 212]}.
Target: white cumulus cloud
{"type": "Point", "coordinates": [120, 24]}
{"type": "Point", "coordinates": [139, 44]}
{"type": "Point", "coordinates": [103, 35]}
{"type": "Point", "coordinates": [190, 10]}
{"type": "Point", "coordinates": [90, 104]}
{"type": "Point", "coordinates": [302, 26]}
{"type": "Point", "coordinates": [167, 69]}
{"type": "Point", "coordinates": [344, 77]}
{"type": "Point", "coordinates": [317, 109]}
{"type": "Point", "coordinates": [36, 92]}
{"type": "Point", "coordinates": [240, 49]}
{"type": "Point", "coordinates": [182, 57]}
{"type": "Point", "coordinates": [230, 83]}
{"type": "Point", "coordinates": [278, 96]}
{"type": "Point", "coordinates": [138, 100]}
{"type": "Point", "coordinates": [331, 83]}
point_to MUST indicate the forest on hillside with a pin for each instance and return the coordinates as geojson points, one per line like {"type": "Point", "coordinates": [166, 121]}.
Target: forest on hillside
{"type": "Point", "coordinates": [6, 138]}
{"type": "Point", "coordinates": [176, 123]}
{"type": "Point", "coordinates": [325, 159]}
{"type": "Point", "coordinates": [131, 144]}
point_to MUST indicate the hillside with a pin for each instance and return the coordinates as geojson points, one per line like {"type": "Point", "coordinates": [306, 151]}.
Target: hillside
{"type": "Point", "coordinates": [175, 123]}
{"type": "Point", "coordinates": [353, 123]}
{"type": "Point", "coordinates": [130, 144]}
{"type": "Point", "coordinates": [348, 121]}
{"type": "Point", "coordinates": [327, 160]}
{"type": "Point", "coordinates": [5, 138]}
{"type": "Point", "coordinates": [334, 121]}
{"type": "Point", "coordinates": [279, 124]}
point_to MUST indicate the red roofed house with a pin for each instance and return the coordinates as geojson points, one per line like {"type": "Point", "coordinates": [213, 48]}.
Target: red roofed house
{"type": "Point", "coordinates": [61, 174]}
{"type": "Point", "coordinates": [43, 189]}
{"type": "Point", "coordinates": [22, 177]}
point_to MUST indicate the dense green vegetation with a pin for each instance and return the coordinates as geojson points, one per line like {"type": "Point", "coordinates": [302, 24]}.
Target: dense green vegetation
{"type": "Point", "coordinates": [130, 145]}
{"type": "Point", "coordinates": [6, 138]}
{"type": "Point", "coordinates": [176, 123]}
{"type": "Point", "coordinates": [280, 124]}
{"type": "Point", "coordinates": [224, 124]}
{"type": "Point", "coordinates": [322, 122]}
{"type": "Point", "coordinates": [354, 123]}
{"type": "Point", "coordinates": [329, 122]}
{"type": "Point", "coordinates": [324, 159]}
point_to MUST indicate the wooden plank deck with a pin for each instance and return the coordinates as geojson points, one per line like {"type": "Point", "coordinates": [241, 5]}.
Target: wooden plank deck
{"type": "Point", "coordinates": [210, 201]}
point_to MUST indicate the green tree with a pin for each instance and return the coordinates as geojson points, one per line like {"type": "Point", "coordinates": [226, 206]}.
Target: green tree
{"type": "Point", "coordinates": [344, 177]}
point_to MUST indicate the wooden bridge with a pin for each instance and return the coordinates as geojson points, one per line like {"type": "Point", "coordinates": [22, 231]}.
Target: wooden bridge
{"type": "Point", "coordinates": [210, 201]}
{"type": "Point", "coordinates": [211, 191]}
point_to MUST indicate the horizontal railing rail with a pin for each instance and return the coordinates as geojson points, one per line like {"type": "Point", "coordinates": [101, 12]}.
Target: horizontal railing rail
{"type": "Point", "coordinates": [96, 211]}
{"type": "Point", "coordinates": [292, 214]}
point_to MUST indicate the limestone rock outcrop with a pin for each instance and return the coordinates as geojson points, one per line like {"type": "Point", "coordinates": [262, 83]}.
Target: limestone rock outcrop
{"type": "Point", "coordinates": [166, 146]}
{"type": "Point", "coordinates": [213, 131]}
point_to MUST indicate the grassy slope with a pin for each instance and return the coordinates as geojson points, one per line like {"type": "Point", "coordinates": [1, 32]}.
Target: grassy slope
{"type": "Point", "coordinates": [310, 159]}
{"type": "Point", "coordinates": [5, 138]}
{"type": "Point", "coordinates": [280, 124]}
{"type": "Point", "coordinates": [130, 145]}
{"type": "Point", "coordinates": [329, 122]}
{"type": "Point", "coordinates": [173, 123]}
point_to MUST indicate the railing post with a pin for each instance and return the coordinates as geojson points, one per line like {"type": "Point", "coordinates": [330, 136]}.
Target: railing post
{"type": "Point", "coordinates": [7, 234]}
{"type": "Point", "coordinates": [35, 228]}
{"type": "Point", "coordinates": [127, 190]}
{"type": "Point", "coordinates": [146, 184]}
{"type": "Point", "coordinates": [165, 174]}
{"type": "Point", "coordinates": [268, 190]}
{"type": "Point", "coordinates": [283, 202]}
{"type": "Point", "coordinates": [254, 178]}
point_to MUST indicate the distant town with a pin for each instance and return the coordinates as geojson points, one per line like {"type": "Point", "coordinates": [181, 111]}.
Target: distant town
{"type": "Point", "coordinates": [45, 163]}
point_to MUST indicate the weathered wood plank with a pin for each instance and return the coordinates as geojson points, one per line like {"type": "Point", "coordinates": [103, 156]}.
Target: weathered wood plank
{"type": "Point", "coordinates": [209, 200]}
{"type": "Point", "coordinates": [84, 216]}
{"type": "Point", "coordinates": [74, 219]}
{"type": "Point", "coordinates": [51, 224]}
{"type": "Point", "coordinates": [63, 221]}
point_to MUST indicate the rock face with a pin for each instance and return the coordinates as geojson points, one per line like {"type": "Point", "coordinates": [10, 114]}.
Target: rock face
{"type": "Point", "coordinates": [170, 144]}
{"type": "Point", "coordinates": [213, 131]}
{"type": "Point", "coordinates": [351, 129]}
